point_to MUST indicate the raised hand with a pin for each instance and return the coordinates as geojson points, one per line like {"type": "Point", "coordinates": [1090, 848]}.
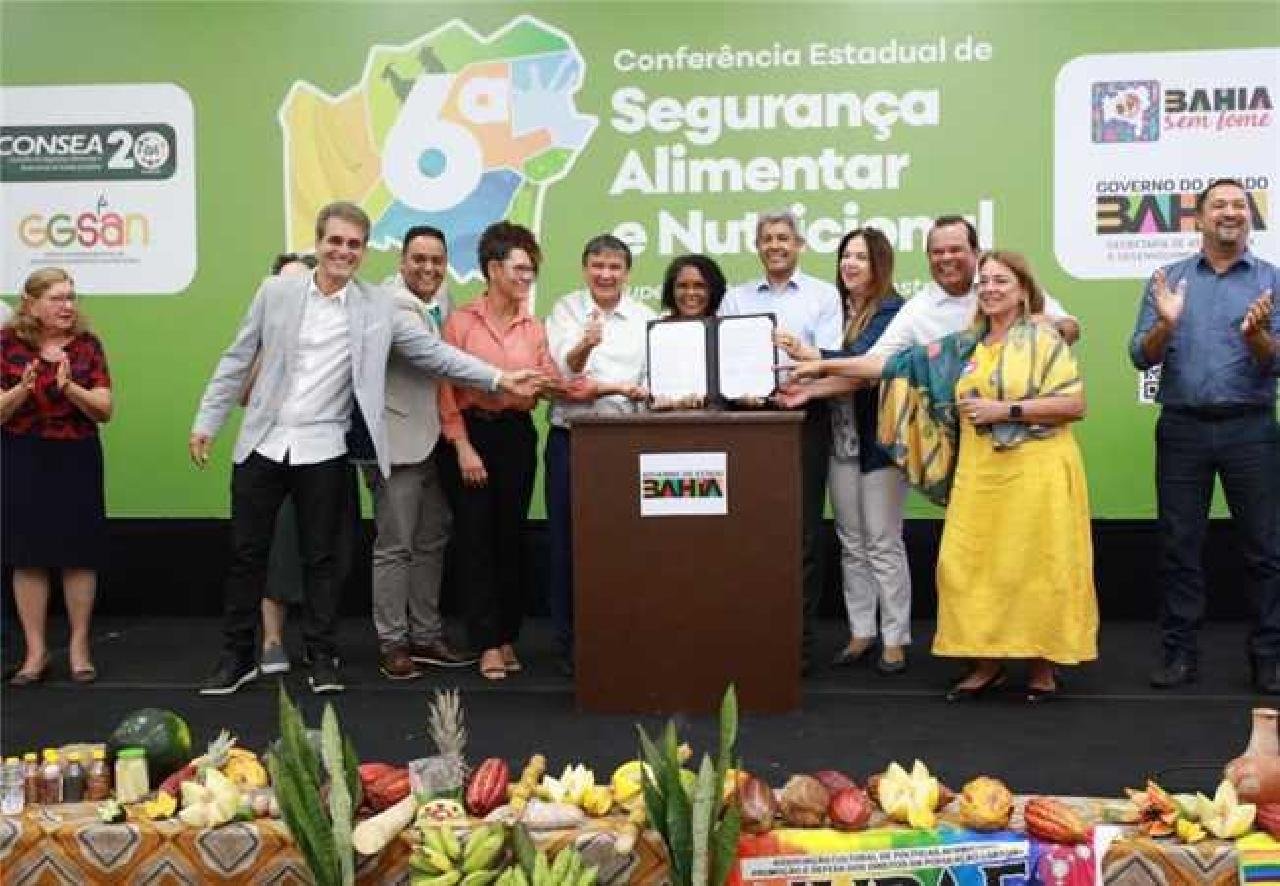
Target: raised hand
{"type": "Point", "coordinates": [1257, 320]}
{"type": "Point", "coordinates": [792, 396]}
{"type": "Point", "coordinates": [62, 375]}
{"type": "Point", "coordinates": [199, 446]}
{"type": "Point", "coordinates": [593, 332]}
{"type": "Point", "coordinates": [1168, 302]}
{"type": "Point", "coordinates": [522, 382]}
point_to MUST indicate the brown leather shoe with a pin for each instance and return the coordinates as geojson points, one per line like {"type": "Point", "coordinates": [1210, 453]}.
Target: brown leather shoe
{"type": "Point", "coordinates": [395, 664]}
{"type": "Point", "coordinates": [438, 653]}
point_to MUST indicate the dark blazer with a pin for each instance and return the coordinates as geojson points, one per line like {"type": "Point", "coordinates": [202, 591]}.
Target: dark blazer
{"type": "Point", "coordinates": [866, 402]}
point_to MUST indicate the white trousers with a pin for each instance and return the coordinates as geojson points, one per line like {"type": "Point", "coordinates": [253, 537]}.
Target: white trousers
{"type": "Point", "coordinates": [873, 559]}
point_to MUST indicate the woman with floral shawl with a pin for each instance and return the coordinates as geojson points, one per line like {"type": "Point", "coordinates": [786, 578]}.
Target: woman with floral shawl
{"type": "Point", "coordinates": [979, 421]}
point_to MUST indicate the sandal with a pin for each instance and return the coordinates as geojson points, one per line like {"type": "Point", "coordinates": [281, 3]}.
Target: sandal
{"type": "Point", "coordinates": [492, 669]}
{"type": "Point", "coordinates": [26, 678]}
{"type": "Point", "coordinates": [86, 674]}
{"type": "Point", "coordinates": [509, 660]}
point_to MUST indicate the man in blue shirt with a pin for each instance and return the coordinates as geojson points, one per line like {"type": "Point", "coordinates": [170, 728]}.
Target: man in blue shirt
{"type": "Point", "coordinates": [1208, 321]}
{"type": "Point", "coordinates": [808, 309]}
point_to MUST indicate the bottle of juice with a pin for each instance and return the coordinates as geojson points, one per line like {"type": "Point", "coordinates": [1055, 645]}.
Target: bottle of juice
{"type": "Point", "coordinates": [73, 780]}
{"type": "Point", "coordinates": [98, 781]}
{"type": "Point", "coordinates": [51, 778]}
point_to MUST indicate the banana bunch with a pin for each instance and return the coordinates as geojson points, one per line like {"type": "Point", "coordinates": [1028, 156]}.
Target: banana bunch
{"type": "Point", "coordinates": [444, 860]}
{"type": "Point", "coordinates": [567, 870]}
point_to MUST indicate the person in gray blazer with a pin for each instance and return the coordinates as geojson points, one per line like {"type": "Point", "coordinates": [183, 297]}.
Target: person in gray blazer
{"type": "Point", "coordinates": [409, 504]}
{"type": "Point", "coordinates": [323, 342]}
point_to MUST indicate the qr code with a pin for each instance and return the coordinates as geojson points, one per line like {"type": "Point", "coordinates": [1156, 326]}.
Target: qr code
{"type": "Point", "coordinates": [1148, 384]}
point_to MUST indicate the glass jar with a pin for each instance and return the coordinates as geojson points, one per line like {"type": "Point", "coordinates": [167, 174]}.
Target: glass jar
{"type": "Point", "coordinates": [131, 775]}
{"type": "Point", "coordinates": [98, 785]}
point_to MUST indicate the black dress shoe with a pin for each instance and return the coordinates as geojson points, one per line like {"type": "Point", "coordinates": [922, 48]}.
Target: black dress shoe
{"type": "Point", "coordinates": [847, 658]}
{"type": "Point", "coordinates": [1041, 694]}
{"type": "Point", "coordinates": [887, 668]}
{"type": "Point", "coordinates": [961, 692]}
{"type": "Point", "coordinates": [1266, 675]}
{"type": "Point", "coordinates": [1177, 670]}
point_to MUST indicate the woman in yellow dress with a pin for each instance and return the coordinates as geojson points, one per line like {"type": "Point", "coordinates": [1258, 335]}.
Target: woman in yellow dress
{"type": "Point", "coordinates": [980, 422]}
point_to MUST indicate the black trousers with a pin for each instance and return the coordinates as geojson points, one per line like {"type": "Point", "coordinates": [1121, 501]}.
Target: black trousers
{"type": "Point", "coordinates": [815, 453]}
{"type": "Point", "coordinates": [1242, 448]}
{"type": "Point", "coordinates": [324, 497]}
{"type": "Point", "coordinates": [489, 524]}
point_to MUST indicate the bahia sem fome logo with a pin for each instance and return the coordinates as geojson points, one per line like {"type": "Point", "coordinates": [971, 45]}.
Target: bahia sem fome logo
{"type": "Point", "coordinates": [452, 129]}
{"type": "Point", "coordinates": [1126, 111]}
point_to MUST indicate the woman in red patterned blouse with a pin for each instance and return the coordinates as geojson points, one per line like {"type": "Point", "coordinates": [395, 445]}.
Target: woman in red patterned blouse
{"type": "Point", "coordinates": [56, 391]}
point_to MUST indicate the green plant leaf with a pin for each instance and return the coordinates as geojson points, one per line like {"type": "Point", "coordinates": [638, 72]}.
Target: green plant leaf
{"type": "Point", "coordinates": [728, 723]}
{"type": "Point", "coordinates": [526, 851]}
{"type": "Point", "coordinates": [293, 738]}
{"type": "Point", "coordinates": [351, 764]}
{"type": "Point", "coordinates": [340, 809]}
{"type": "Point", "coordinates": [724, 846]}
{"type": "Point", "coordinates": [705, 792]}
{"type": "Point", "coordinates": [294, 777]}
{"type": "Point", "coordinates": [655, 800]}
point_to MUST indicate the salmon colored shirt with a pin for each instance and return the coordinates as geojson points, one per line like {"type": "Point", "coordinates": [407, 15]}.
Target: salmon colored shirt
{"type": "Point", "coordinates": [523, 345]}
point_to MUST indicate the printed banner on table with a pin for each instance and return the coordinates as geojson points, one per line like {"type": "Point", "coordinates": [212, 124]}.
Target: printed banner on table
{"type": "Point", "coordinates": [794, 857]}
{"type": "Point", "coordinates": [99, 180]}
{"type": "Point", "coordinates": [1138, 135]}
{"type": "Point", "coordinates": [683, 484]}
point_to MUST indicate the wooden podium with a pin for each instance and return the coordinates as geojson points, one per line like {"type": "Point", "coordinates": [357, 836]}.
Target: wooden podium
{"type": "Point", "coordinates": [668, 610]}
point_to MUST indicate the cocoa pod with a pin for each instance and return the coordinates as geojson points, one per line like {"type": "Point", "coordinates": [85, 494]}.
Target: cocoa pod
{"type": "Point", "coordinates": [849, 809]}
{"type": "Point", "coordinates": [873, 786]}
{"type": "Point", "coordinates": [834, 780]}
{"type": "Point", "coordinates": [986, 804]}
{"type": "Point", "coordinates": [392, 787]}
{"type": "Point", "coordinates": [1268, 818]}
{"type": "Point", "coordinates": [758, 805]}
{"type": "Point", "coordinates": [487, 787]}
{"type": "Point", "coordinates": [1256, 779]}
{"type": "Point", "coordinates": [804, 802]}
{"type": "Point", "coordinates": [1054, 821]}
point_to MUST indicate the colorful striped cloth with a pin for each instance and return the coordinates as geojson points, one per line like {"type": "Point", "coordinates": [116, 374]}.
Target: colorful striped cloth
{"type": "Point", "coordinates": [1259, 860]}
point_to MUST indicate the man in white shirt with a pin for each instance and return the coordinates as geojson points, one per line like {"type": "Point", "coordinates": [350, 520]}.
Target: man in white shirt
{"type": "Point", "coordinates": [809, 309]}
{"type": "Point", "coordinates": [322, 343]}
{"type": "Point", "coordinates": [949, 302]}
{"type": "Point", "coordinates": [599, 332]}
{"type": "Point", "coordinates": [409, 505]}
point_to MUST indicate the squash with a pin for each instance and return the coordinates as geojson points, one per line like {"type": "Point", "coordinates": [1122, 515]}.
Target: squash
{"type": "Point", "coordinates": [163, 735]}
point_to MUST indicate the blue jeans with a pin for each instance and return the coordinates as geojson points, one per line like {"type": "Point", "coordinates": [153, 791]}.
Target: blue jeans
{"type": "Point", "coordinates": [1242, 448]}
{"type": "Point", "coordinates": [559, 536]}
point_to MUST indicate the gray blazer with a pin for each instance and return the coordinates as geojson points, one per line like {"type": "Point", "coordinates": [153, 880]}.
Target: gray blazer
{"type": "Point", "coordinates": [272, 326]}
{"type": "Point", "coordinates": [413, 412]}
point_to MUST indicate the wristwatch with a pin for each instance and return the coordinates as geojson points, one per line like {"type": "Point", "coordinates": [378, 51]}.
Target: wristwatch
{"type": "Point", "coordinates": [1015, 411]}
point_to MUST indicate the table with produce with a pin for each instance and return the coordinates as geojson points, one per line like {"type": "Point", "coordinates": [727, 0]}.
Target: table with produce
{"type": "Point", "coordinates": [145, 808]}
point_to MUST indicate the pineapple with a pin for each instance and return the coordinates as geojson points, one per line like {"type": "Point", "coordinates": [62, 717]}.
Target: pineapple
{"type": "Point", "coordinates": [217, 752]}
{"type": "Point", "coordinates": [449, 732]}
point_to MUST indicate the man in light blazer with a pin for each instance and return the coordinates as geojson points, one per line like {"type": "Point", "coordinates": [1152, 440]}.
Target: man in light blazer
{"type": "Point", "coordinates": [409, 504]}
{"type": "Point", "coordinates": [323, 342]}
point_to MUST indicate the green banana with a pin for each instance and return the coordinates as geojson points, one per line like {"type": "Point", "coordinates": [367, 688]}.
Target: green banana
{"type": "Point", "coordinates": [588, 876]}
{"type": "Point", "coordinates": [484, 854]}
{"type": "Point", "coordinates": [573, 868]}
{"type": "Point", "coordinates": [474, 839]}
{"type": "Point", "coordinates": [452, 847]}
{"type": "Point", "coordinates": [479, 878]}
{"type": "Point", "coordinates": [432, 838]}
{"type": "Point", "coordinates": [450, 878]}
{"type": "Point", "coordinates": [561, 864]}
{"type": "Point", "coordinates": [518, 878]}
{"type": "Point", "coordinates": [438, 860]}
{"type": "Point", "coordinates": [541, 870]}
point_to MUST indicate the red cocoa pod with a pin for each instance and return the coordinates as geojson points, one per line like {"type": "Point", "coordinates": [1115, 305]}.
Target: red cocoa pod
{"type": "Point", "coordinates": [1256, 779]}
{"type": "Point", "coordinates": [1268, 818]}
{"type": "Point", "coordinates": [849, 809]}
{"type": "Point", "coordinates": [1054, 821]}
{"type": "Point", "coordinates": [834, 780]}
{"type": "Point", "coordinates": [758, 805]}
{"type": "Point", "coordinates": [487, 787]}
{"type": "Point", "coordinates": [371, 772]}
{"type": "Point", "coordinates": [388, 790]}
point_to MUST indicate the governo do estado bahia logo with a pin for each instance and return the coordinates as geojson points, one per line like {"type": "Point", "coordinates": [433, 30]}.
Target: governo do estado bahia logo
{"type": "Point", "coordinates": [452, 129]}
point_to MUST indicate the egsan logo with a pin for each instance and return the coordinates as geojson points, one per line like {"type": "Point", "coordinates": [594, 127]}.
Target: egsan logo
{"type": "Point", "coordinates": [88, 229]}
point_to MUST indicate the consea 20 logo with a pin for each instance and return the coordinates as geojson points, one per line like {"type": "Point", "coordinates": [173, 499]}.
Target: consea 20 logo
{"type": "Point", "coordinates": [96, 228]}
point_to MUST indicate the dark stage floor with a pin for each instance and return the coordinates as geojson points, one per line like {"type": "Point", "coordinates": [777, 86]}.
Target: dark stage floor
{"type": "Point", "coordinates": [1107, 731]}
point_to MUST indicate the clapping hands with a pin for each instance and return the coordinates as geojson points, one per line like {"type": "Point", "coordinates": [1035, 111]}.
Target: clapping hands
{"type": "Point", "coordinates": [1168, 302]}
{"type": "Point", "coordinates": [1257, 320]}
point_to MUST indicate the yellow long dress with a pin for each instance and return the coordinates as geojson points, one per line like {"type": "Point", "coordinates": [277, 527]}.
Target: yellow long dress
{"type": "Point", "coordinates": [1015, 570]}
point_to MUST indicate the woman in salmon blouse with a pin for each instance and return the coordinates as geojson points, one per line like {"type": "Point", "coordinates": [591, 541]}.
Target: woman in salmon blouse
{"type": "Point", "coordinates": [496, 442]}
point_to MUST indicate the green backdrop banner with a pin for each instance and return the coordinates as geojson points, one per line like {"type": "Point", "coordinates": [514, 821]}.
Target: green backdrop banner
{"type": "Point", "coordinates": [187, 143]}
